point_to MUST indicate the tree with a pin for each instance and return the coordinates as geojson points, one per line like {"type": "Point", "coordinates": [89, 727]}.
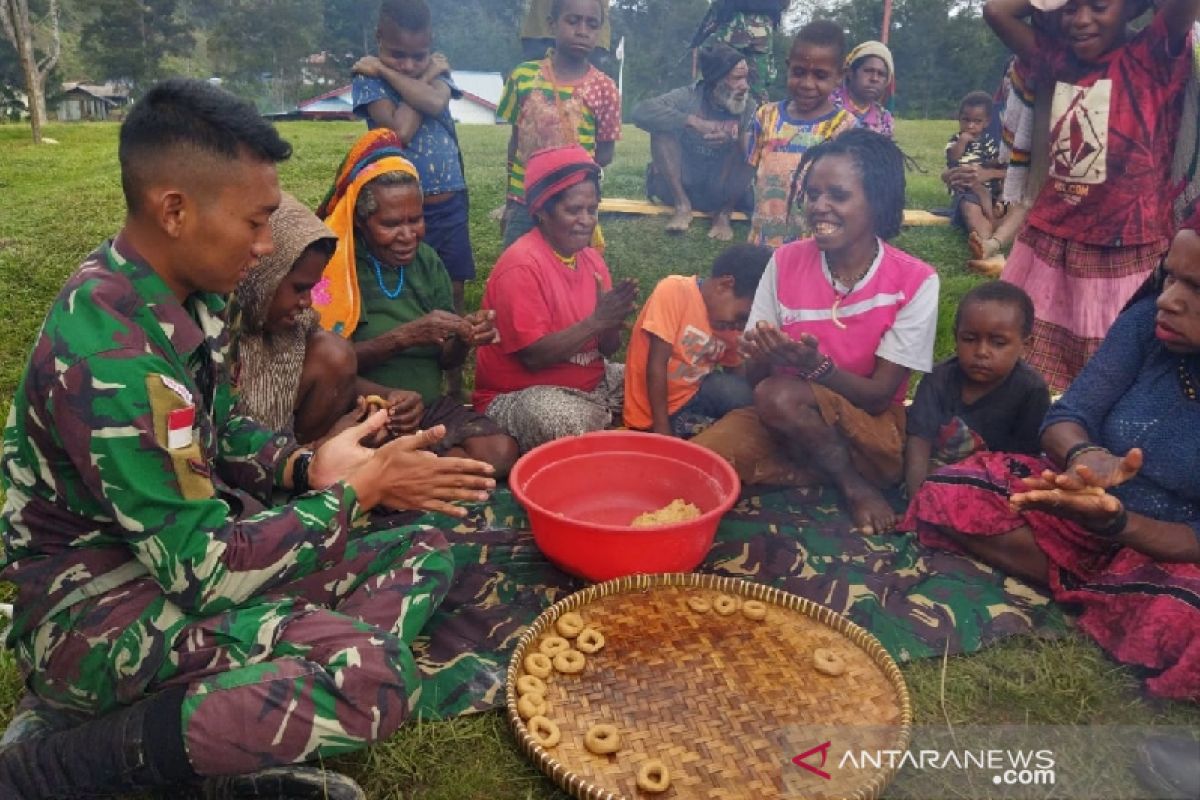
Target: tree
{"type": "Point", "coordinates": [127, 40]}
{"type": "Point", "coordinates": [657, 38]}
{"type": "Point", "coordinates": [263, 44]}
{"type": "Point", "coordinates": [18, 29]}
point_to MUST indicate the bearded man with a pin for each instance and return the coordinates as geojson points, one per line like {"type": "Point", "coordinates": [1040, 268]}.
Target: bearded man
{"type": "Point", "coordinates": [698, 143]}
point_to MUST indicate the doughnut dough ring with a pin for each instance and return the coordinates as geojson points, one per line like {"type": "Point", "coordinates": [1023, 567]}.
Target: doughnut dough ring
{"type": "Point", "coordinates": [538, 665]}
{"type": "Point", "coordinates": [553, 645]}
{"type": "Point", "coordinates": [569, 625]}
{"type": "Point", "coordinates": [532, 705]}
{"type": "Point", "coordinates": [544, 731]}
{"type": "Point", "coordinates": [570, 662]}
{"type": "Point", "coordinates": [590, 640]}
{"type": "Point", "coordinates": [653, 777]}
{"type": "Point", "coordinates": [725, 605]}
{"type": "Point", "coordinates": [754, 609]}
{"type": "Point", "coordinates": [530, 684]}
{"type": "Point", "coordinates": [602, 739]}
{"type": "Point", "coordinates": [699, 604]}
{"type": "Point", "coordinates": [828, 662]}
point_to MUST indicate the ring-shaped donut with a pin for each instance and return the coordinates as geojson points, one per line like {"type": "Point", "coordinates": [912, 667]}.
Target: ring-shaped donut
{"type": "Point", "coordinates": [553, 645]}
{"type": "Point", "coordinates": [569, 662]}
{"type": "Point", "coordinates": [538, 665]}
{"type": "Point", "coordinates": [569, 624]}
{"type": "Point", "coordinates": [532, 705]}
{"type": "Point", "coordinates": [828, 662]}
{"type": "Point", "coordinates": [653, 776]}
{"type": "Point", "coordinates": [590, 640]}
{"type": "Point", "coordinates": [725, 604]}
{"type": "Point", "coordinates": [701, 605]}
{"type": "Point", "coordinates": [544, 731]}
{"type": "Point", "coordinates": [602, 739]}
{"type": "Point", "coordinates": [530, 684]}
{"type": "Point", "coordinates": [754, 609]}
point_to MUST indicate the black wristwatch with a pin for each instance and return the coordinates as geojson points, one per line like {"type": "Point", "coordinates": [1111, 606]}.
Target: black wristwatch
{"type": "Point", "coordinates": [300, 466]}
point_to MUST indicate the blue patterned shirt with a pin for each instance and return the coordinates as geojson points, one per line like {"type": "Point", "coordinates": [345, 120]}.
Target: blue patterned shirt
{"type": "Point", "coordinates": [1134, 393]}
{"type": "Point", "coordinates": [433, 149]}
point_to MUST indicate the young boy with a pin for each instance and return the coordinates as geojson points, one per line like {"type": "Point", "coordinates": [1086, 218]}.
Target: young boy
{"type": "Point", "coordinates": [783, 131]}
{"type": "Point", "coordinates": [985, 397]}
{"type": "Point", "coordinates": [559, 100]}
{"type": "Point", "coordinates": [408, 88]}
{"type": "Point", "coordinates": [974, 173]}
{"type": "Point", "coordinates": [689, 326]}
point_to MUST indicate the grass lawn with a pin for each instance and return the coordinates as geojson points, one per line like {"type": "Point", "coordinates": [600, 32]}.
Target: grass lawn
{"type": "Point", "coordinates": [58, 202]}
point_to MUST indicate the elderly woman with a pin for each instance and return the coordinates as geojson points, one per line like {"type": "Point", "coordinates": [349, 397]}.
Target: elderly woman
{"type": "Point", "coordinates": [389, 294]}
{"type": "Point", "coordinates": [1109, 519]}
{"type": "Point", "coordinates": [557, 312]}
{"type": "Point", "coordinates": [870, 78]}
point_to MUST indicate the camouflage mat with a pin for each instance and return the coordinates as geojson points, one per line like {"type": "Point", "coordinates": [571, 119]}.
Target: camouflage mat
{"type": "Point", "coordinates": [918, 602]}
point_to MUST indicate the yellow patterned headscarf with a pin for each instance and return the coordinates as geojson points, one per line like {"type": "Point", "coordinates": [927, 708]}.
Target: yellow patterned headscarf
{"type": "Point", "coordinates": [337, 297]}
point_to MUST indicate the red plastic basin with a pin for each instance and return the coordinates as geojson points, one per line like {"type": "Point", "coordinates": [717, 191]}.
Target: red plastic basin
{"type": "Point", "coordinates": [582, 492]}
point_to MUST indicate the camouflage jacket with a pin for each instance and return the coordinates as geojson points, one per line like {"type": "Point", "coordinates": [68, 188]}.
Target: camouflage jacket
{"type": "Point", "coordinates": [123, 458]}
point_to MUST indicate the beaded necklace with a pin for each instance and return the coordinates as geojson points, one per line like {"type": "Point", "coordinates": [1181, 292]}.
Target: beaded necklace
{"type": "Point", "coordinates": [389, 294]}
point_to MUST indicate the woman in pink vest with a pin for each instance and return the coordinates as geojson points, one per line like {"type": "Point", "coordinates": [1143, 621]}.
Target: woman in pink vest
{"type": "Point", "coordinates": [838, 323]}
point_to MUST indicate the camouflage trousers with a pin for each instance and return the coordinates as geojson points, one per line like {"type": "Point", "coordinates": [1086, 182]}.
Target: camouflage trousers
{"type": "Point", "coordinates": [751, 35]}
{"type": "Point", "coordinates": [317, 667]}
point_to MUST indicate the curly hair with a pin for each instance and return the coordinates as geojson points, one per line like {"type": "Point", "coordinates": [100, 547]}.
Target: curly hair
{"type": "Point", "coordinates": [999, 292]}
{"type": "Point", "coordinates": [368, 204]}
{"type": "Point", "coordinates": [880, 165]}
{"type": "Point", "coordinates": [556, 9]}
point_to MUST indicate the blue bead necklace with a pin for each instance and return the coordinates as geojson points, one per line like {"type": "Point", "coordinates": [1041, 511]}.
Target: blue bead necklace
{"type": "Point", "coordinates": [390, 295]}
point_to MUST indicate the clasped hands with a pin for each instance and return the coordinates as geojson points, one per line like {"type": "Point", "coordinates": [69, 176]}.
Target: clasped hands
{"type": "Point", "coordinates": [1080, 492]}
{"type": "Point", "coordinates": [475, 329]}
{"type": "Point", "coordinates": [765, 342]}
{"type": "Point", "coordinates": [402, 474]}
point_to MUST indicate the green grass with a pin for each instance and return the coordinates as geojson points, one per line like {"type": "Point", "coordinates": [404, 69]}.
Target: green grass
{"type": "Point", "coordinates": [58, 202]}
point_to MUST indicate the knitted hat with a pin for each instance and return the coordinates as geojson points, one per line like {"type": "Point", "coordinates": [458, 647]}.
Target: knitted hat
{"type": "Point", "coordinates": [293, 229]}
{"type": "Point", "coordinates": [552, 171]}
{"type": "Point", "coordinates": [880, 51]}
{"type": "Point", "coordinates": [716, 61]}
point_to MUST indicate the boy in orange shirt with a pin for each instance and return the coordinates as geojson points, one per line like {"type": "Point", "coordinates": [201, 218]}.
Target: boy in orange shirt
{"type": "Point", "coordinates": [689, 326]}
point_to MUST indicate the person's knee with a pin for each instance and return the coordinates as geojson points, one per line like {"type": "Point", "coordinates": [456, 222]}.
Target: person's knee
{"type": "Point", "coordinates": [786, 404]}
{"type": "Point", "coordinates": [500, 450]}
{"type": "Point", "coordinates": [329, 358]}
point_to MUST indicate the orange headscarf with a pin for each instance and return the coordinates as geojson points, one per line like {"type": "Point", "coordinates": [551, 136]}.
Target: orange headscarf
{"type": "Point", "coordinates": [337, 297]}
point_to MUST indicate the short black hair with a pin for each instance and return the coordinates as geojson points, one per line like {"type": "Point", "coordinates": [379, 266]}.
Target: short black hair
{"type": "Point", "coordinates": [880, 163]}
{"type": "Point", "coordinates": [556, 9]}
{"type": "Point", "coordinates": [999, 292]}
{"type": "Point", "coordinates": [977, 99]}
{"type": "Point", "coordinates": [746, 263]}
{"type": "Point", "coordinates": [183, 113]}
{"type": "Point", "coordinates": [408, 15]}
{"type": "Point", "coordinates": [823, 33]}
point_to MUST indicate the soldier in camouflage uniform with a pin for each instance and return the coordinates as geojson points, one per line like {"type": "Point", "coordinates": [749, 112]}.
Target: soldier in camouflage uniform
{"type": "Point", "coordinates": [210, 636]}
{"type": "Point", "coordinates": [747, 26]}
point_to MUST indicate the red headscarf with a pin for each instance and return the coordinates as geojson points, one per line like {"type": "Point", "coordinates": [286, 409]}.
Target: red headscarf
{"type": "Point", "coordinates": [552, 171]}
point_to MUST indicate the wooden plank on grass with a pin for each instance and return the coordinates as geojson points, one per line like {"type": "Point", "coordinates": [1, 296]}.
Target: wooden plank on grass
{"type": "Point", "coordinates": [619, 205]}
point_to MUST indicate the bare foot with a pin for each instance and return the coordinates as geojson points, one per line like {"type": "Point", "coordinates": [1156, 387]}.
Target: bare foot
{"type": "Point", "coordinates": [681, 221]}
{"type": "Point", "coordinates": [869, 510]}
{"type": "Point", "coordinates": [975, 244]}
{"type": "Point", "coordinates": [721, 229]}
{"type": "Point", "coordinates": [988, 267]}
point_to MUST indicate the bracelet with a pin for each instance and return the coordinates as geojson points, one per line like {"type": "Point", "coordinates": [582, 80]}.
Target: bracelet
{"type": "Point", "coordinates": [1114, 527]}
{"type": "Point", "coordinates": [300, 466]}
{"type": "Point", "coordinates": [822, 369]}
{"type": "Point", "coordinates": [1079, 449]}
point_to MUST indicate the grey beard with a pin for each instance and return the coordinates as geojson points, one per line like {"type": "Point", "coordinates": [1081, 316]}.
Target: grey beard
{"type": "Point", "coordinates": [723, 97]}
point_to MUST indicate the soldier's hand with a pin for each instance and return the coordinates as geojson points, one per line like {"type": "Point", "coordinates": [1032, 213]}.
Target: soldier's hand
{"type": "Point", "coordinates": [344, 453]}
{"type": "Point", "coordinates": [404, 475]}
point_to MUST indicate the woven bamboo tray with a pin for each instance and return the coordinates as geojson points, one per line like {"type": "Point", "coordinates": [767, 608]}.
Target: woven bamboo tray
{"type": "Point", "coordinates": [723, 701]}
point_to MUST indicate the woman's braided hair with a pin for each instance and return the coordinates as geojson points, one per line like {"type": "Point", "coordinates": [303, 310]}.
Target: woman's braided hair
{"type": "Point", "coordinates": [881, 165]}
